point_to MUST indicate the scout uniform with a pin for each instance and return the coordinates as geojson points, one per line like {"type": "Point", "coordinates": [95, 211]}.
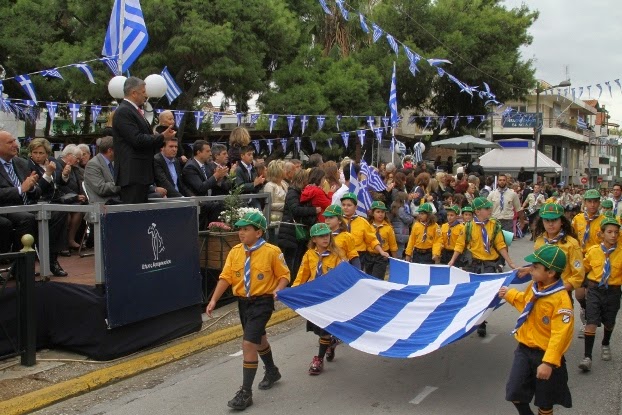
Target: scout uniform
{"type": "Point", "coordinates": [343, 240]}
{"type": "Point", "coordinates": [363, 233]}
{"type": "Point", "coordinates": [604, 276]}
{"type": "Point", "coordinates": [377, 264]}
{"type": "Point", "coordinates": [544, 333]}
{"type": "Point", "coordinates": [315, 265]}
{"type": "Point", "coordinates": [585, 227]}
{"type": "Point", "coordinates": [484, 253]}
{"type": "Point", "coordinates": [425, 240]}
{"type": "Point", "coordinates": [573, 274]}
{"type": "Point", "coordinates": [449, 234]}
{"type": "Point", "coordinates": [253, 274]}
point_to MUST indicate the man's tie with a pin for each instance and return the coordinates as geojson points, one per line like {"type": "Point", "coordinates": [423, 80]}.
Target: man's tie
{"type": "Point", "coordinates": [204, 170]}
{"type": "Point", "coordinates": [604, 280]}
{"type": "Point", "coordinates": [111, 167]}
{"type": "Point", "coordinates": [558, 286]}
{"type": "Point", "coordinates": [484, 232]}
{"type": "Point", "coordinates": [318, 270]}
{"type": "Point", "coordinates": [247, 264]}
{"type": "Point", "coordinates": [9, 168]}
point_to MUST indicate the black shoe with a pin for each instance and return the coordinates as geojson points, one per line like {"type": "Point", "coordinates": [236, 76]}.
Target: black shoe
{"type": "Point", "coordinates": [242, 400]}
{"type": "Point", "coordinates": [481, 330]}
{"type": "Point", "coordinates": [270, 378]}
{"type": "Point", "coordinates": [57, 270]}
{"type": "Point", "coordinates": [65, 253]}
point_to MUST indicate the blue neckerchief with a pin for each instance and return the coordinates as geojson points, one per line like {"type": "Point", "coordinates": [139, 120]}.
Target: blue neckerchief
{"type": "Point", "coordinates": [484, 232]}
{"type": "Point", "coordinates": [604, 280]}
{"type": "Point", "coordinates": [587, 227]}
{"type": "Point", "coordinates": [555, 240]}
{"type": "Point", "coordinates": [380, 240]}
{"type": "Point", "coordinates": [451, 225]}
{"type": "Point", "coordinates": [350, 219]}
{"type": "Point", "coordinates": [558, 286]}
{"type": "Point", "coordinates": [247, 264]}
{"type": "Point", "coordinates": [318, 270]}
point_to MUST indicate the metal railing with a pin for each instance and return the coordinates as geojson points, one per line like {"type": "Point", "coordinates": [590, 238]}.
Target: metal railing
{"type": "Point", "coordinates": [24, 341]}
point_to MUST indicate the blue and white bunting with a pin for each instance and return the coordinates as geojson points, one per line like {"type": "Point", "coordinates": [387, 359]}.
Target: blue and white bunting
{"type": "Point", "coordinates": [454, 122]}
{"type": "Point", "coordinates": [428, 121]}
{"type": "Point", "coordinates": [313, 145]}
{"type": "Point", "coordinates": [617, 81]}
{"type": "Point", "coordinates": [74, 109]}
{"type": "Point", "coordinates": [470, 119]}
{"type": "Point", "coordinates": [239, 116]}
{"type": "Point", "coordinates": [414, 59]}
{"type": "Point", "coordinates": [51, 73]}
{"type": "Point", "coordinates": [371, 121]}
{"type": "Point", "coordinates": [304, 120]}
{"type": "Point", "coordinates": [112, 64]}
{"type": "Point", "coordinates": [254, 118]}
{"type": "Point", "coordinates": [179, 116]}
{"type": "Point", "coordinates": [52, 107]}
{"type": "Point", "coordinates": [172, 89]}
{"type": "Point", "coordinates": [95, 111]}
{"type": "Point", "coordinates": [329, 141]}
{"type": "Point", "coordinates": [86, 70]}
{"type": "Point", "coordinates": [378, 132]}
{"type": "Point", "coordinates": [297, 141]}
{"type": "Point", "coordinates": [320, 121]}
{"type": "Point", "coordinates": [393, 44]}
{"type": "Point", "coordinates": [589, 90]}
{"type": "Point", "coordinates": [377, 32]}
{"type": "Point", "coordinates": [26, 83]}
{"type": "Point", "coordinates": [437, 62]}
{"type": "Point", "coordinates": [344, 11]}
{"type": "Point", "coordinates": [361, 134]}
{"type": "Point", "coordinates": [272, 118]}
{"type": "Point", "coordinates": [325, 7]}
{"type": "Point", "coordinates": [441, 121]}
{"type": "Point", "coordinates": [256, 144]}
{"type": "Point", "coordinates": [284, 145]}
{"type": "Point", "coordinates": [337, 119]}
{"type": "Point", "coordinates": [363, 23]}
{"type": "Point", "coordinates": [345, 136]}
{"type": "Point", "coordinates": [270, 144]}
{"type": "Point", "coordinates": [198, 118]}
{"type": "Point", "coordinates": [216, 117]}
{"type": "Point", "coordinates": [385, 122]}
{"type": "Point", "coordinates": [393, 99]}
{"type": "Point", "coordinates": [609, 86]}
{"type": "Point", "coordinates": [131, 33]}
{"type": "Point", "coordinates": [29, 103]}
{"type": "Point", "coordinates": [290, 122]}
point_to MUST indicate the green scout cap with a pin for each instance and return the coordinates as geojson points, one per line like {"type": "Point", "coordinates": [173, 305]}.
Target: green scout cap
{"type": "Point", "coordinates": [481, 203]}
{"type": "Point", "coordinates": [609, 214]}
{"type": "Point", "coordinates": [378, 205]}
{"type": "Point", "coordinates": [551, 256]}
{"type": "Point", "coordinates": [551, 211]}
{"type": "Point", "coordinates": [591, 194]}
{"type": "Point", "coordinates": [467, 209]}
{"type": "Point", "coordinates": [607, 204]}
{"type": "Point", "coordinates": [255, 219]}
{"type": "Point", "coordinates": [319, 229]}
{"type": "Point", "coordinates": [350, 196]}
{"type": "Point", "coordinates": [609, 221]}
{"type": "Point", "coordinates": [455, 209]}
{"type": "Point", "coordinates": [426, 208]}
{"type": "Point", "coordinates": [333, 210]}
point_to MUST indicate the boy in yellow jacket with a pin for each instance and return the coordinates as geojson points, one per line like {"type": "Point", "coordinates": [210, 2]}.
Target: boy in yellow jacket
{"type": "Point", "coordinates": [424, 243]}
{"type": "Point", "coordinates": [450, 232]}
{"type": "Point", "coordinates": [256, 271]}
{"type": "Point", "coordinates": [544, 333]}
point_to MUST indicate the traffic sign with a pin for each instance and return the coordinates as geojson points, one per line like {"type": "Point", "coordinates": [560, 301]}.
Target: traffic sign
{"type": "Point", "coordinates": [583, 180]}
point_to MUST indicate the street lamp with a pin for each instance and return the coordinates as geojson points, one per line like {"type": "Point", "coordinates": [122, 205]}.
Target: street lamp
{"type": "Point", "coordinates": [539, 124]}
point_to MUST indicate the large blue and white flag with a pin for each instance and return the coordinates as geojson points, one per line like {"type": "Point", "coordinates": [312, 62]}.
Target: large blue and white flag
{"type": "Point", "coordinates": [172, 89]}
{"type": "Point", "coordinates": [393, 100]}
{"type": "Point", "coordinates": [364, 199]}
{"type": "Point", "coordinates": [128, 37]}
{"type": "Point", "coordinates": [390, 319]}
{"type": "Point", "coordinates": [374, 181]}
{"type": "Point", "coordinates": [26, 83]}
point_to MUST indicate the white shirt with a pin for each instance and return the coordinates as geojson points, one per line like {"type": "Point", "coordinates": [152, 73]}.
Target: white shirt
{"type": "Point", "coordinates": [338, 193]}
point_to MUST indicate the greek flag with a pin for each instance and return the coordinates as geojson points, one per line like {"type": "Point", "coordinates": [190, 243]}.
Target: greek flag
{"type": "Point", "coordinates": [26, 83]}
{"type": "Point", "coordinates": [393, 100]}
{"type": "Point", "coordinates": [133, 34]}
{"type": "Point", "coordinates": [111, 64]}
{"type": "Point", "coordinates": [364, 200]}
{"type": "Point", "coordinates": [395, 319]}
{"type": "Point", "coordinates": [418, 152]}
{"type": "Point", "coordinates": [86, 70]}
{"type": "Point", "coordinates": [374, 181]}
{"type": "Point", "coordinates": [51, 73]}
{"type": "Point", "coordinates": [172, 89]}
{"type": "Point", "coordinates": [581, 123]}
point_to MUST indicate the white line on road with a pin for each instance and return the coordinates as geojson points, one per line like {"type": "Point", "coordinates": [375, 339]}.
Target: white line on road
{"type": "Point", "coordinates": [489, 338]}
{"type": "Point", "coordinates": [424, 394]}
{"type": "Point", "coordinates": [236, 354]}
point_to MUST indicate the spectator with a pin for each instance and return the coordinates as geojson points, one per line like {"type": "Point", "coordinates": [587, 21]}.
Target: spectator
{"type": "Point", "coordinates": [69, 186]}
{"type": "Point", "coordinates": [289, 169]}
{"type": "Point", "coordinates": [166, 119]}
{"type": "Point", "coordinates": [331, 182]}
{"type": "Point", "coordinates": [41, 162]}
{"type": "Point", "coordinates": [345, 185]}
{"type": "Point", "coordinates": [401, 220]}
{"type": "Point", "coordinates": [219, 161]}
{"type": "Point", "coordinates": [277, 188]}
{"type": "Point", "coordinates": [99, 175]}
{"type": "Point", "coordinates": [315, 160]}
{"type": "Point", "coordinates": [246, 175]}
{"type": "Point", "coordinates": [195, 174]}
{"type": "Point", "coordinates": [238, 139]}
{"type": "Point", "coordinates": [313, 193]}
{"type": "Point", "coordinates": [167, 170]}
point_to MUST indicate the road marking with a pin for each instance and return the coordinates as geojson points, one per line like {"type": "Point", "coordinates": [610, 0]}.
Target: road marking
{"type": "Point", "coordinates": [236, 354]}
{"type": "Point", "coordinates": [423, 394]}
{"type": "Point", "coordinates": [489, 338]}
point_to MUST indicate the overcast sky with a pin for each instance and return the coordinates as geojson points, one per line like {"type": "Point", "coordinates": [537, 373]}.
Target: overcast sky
{"type": "Point", "coordinates": [583, 36]}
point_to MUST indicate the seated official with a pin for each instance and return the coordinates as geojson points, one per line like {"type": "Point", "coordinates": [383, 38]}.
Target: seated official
{"type": "Point", "coordinates": [220, 157]}
{"type": "Point", "coordinates": [69, 188]}
{"type": "Point", "coordinates": [195, 174]}
{"type": "Point", "coordinates": [99, 175]}
{"type": "Point", "coordinates": [167, 170]}
{"type": "Point", "coordinates": [21, 186]}
{"type": "Point", "coordinates": [43, 164]}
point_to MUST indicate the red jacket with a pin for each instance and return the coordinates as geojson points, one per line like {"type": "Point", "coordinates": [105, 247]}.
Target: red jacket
{"type": "Point", "coordinates": [317, 197]}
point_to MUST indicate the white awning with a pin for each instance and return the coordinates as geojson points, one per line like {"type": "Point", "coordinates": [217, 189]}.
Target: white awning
{"type": "Point", "coordinates": [512, 159]}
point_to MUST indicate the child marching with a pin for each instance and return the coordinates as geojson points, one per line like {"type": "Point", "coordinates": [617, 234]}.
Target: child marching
{"type": "Point", "coordinates": [376, 263]}
{"type": "Point", "coordinates": [343, 239]}
{"type": "Point", "coordinates": [450, 232]}
{"type": "Point", "coordinates": [424, 244]}
{"type": "Point", "coordinates": [321, 257]}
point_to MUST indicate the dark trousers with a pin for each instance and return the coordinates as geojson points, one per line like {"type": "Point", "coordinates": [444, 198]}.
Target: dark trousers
{"type": "Point", "coordinates": [6, 234]}
{"type": "Point", "coordinates": [25, 223]}
{"type": "Point", "coordinates": [376, 265]}
{"type": "Point", "coordinates": [134, 193]}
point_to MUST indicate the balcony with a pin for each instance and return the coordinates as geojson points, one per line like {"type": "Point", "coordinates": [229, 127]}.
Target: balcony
{"type": "Point", "coordinates": [551, 126]}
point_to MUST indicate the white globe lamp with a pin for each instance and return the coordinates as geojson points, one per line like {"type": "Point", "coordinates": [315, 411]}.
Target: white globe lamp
{"type": "Point", "coordinates": [156, 86]}
{"type": "Point", "coordinates": [115, 87]}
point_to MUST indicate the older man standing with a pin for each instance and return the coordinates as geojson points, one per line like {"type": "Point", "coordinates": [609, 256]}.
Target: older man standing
{"type": "Point", "coordinates": [504, 203]}
{"type": "Point", "coordinates": [134, 144]}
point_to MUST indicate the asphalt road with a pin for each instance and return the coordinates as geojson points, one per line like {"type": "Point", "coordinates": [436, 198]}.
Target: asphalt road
{"type": "Point", "coordinates": [464, 378]}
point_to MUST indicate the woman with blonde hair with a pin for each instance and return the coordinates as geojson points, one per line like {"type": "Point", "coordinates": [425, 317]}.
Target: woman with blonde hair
{"type": "Point", "coordinates": [277, 187]}
{"type": "Point", "coordinates": [238, 139]}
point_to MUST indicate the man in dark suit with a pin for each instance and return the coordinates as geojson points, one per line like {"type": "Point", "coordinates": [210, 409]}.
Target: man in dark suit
{"type": "Point", "coordinates": [220, 157]}
{"type": "Point", "coordinates": [20, 186]}
{"type": "Point", "coordinates": [99, 174]}
{"type": "Point", "coordinates": [246, 175]}
{"type": "Point", "coordinates": [167, 170]}
{"type": "Point", "coordinates": [134, 144]}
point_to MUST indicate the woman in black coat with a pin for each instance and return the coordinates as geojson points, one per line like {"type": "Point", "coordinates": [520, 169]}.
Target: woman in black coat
{"type": "Point", "coordinates": [295, 212]}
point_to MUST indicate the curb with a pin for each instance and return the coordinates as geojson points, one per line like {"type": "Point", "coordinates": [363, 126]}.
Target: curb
{"type": "Point", "coordinates": [41, 398]}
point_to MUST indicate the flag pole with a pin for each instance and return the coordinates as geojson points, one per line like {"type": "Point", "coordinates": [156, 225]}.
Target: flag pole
{"type": "Point", "coordinates": [121, 27]}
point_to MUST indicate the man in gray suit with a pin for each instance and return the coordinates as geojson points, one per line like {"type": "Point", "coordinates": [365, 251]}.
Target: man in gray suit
{"type": "Point", "coordinates": [99, 174]}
